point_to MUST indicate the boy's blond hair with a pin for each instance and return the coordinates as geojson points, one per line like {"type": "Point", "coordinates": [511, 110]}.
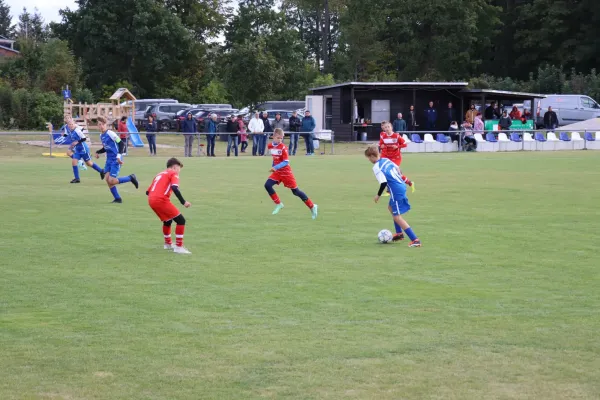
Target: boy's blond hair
{"type": "Point", "coordinates": [372, 151]}
{"type": "Point", "coordinates": [278, 131]}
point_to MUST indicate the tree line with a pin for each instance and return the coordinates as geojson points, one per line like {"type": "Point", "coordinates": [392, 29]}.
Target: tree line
{"type": "Point", "coordinates": [207, 51]}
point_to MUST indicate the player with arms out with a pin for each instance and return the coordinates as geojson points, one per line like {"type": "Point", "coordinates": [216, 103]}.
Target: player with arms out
{"type": "Point", "coordinates": [159, 199]}
{"type": "Point", "coordinates": [281, 172]}
{"type": "Point", "coordinates": [79, 149]}
{"type": "Point", "coordinates": [391, 143]}
{"type": "Point", "coordinates": [114, 160]}
{"type": "Point", "coordinates": [388, 174]}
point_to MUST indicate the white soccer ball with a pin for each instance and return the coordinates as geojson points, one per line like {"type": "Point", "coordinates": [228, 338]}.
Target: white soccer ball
{"type": "Point", "coordinates": [385, 236]}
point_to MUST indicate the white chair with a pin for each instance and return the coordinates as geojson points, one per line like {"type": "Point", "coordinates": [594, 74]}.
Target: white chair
{"type": "Point", "coordinates": [484, 145]}
{"type": "Point", "coordinates": [528, 143]}
{"type": "Point", "coordinates": [431, 145]}
{"type": "Point", "coordinates": [558, 144]}
{"type": "Point", "coordinates": [505, 144]}
{"type": "Point", "coordinates": [578, 143]}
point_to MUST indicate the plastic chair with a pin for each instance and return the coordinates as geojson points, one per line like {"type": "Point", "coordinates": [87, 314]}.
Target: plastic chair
{"type": "Point", "coordinates": [490, 137]}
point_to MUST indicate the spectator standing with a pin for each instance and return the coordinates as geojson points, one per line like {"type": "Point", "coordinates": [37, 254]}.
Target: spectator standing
{"type": "Point", "coordinates": [505, 121]}
{"type": "Point", "coordinates": [550, 119]}
{"type": "Point", "coordinates": [232, 137]}
{"type": "Point", "coordinates": [478, 125]}
{"type": "Point", "coordinates": [451, 115]}
{"type": "Point", "coordinates": [431, 117]}
{"type": "Point", "coordinates": [211, 135]}
{"type": "Point", "coordinates": [242, 132]}
{"type": "Point", "coordinates": [492, 112]}
{"type": "Point", "coordinates": [151, 129]}
{"type": "Point", "coordinates": [526, 114]}
{"type": "Point", "coordinates": [308, 128]}
{"type": "Point", "coordinates": [278, 123]}
{"type": "Point", "coordinates": [399, 124]}
{"type": "Point", "coordinates": [265, 136]}
{"type": "Point", "coordinates": [412, 119]}
{"type": "Point", "coordinates": [295, 124]}
{"type": "Point", "coordinates": [256, 127]}
{"type": "Point", "coordinates": [189, 129]}
{"type": "Point", "coordinates": [471, 114]}
{"type": "Point", "coordinates": [123, 130]}
{"type": "Point", "coordinates": [515, 113]}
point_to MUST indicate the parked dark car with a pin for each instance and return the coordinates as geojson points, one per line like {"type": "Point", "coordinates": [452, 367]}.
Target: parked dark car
{"type": "Point", "coordinates": [164, 113]}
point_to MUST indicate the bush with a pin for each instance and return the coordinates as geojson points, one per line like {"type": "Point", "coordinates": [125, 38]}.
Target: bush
{"type": "Point", "coordinates": [32, 110]}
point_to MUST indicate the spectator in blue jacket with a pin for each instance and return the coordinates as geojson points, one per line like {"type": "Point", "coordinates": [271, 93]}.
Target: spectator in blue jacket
{"type": "Point", "coordinates": [189, 129]}
{"type": "Point", "coordinates": [399, 124]}
{"type": "Point", "coordinates": [307, 129]}
{"type": "Point", "coordinates": [431, 117]}
{"type": "Point", "coordinates": [211, 135]}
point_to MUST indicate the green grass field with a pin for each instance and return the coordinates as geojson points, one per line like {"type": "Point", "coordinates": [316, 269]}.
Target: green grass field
{"type": "Point", "coordinates": [502, 302]}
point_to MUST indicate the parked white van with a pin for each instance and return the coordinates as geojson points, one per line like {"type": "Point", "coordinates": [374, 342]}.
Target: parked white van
{"type": "Point", "coordinates": [569, 108]}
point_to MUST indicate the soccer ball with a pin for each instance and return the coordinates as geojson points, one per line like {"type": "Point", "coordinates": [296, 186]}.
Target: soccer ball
{"type": "Point", "coordinates": [385, 236]}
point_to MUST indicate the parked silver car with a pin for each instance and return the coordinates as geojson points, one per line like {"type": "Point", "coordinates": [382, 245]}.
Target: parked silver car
{"type": "Point", "coordinates": [164, 113]}
{"type": "Point", "coordinates": [569, 108]}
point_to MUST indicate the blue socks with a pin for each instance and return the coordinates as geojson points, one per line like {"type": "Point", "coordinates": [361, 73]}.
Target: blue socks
{"type": "Point", "coordinates": [398, 228]}
{"type": "Point", "coordinates": [96, 167]}
{"type": "Point", "coordinates": [76, 171]}
{"type": "Point", "coordinates": [411, 234]}
{"type": "Point", "coordinates": [115, 192]}
{"type": "Point", "coordinates": [125, 179]}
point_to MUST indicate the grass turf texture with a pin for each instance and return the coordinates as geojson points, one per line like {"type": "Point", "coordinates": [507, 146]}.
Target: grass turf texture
{"type": "Point", "coordinates": [502, 301]}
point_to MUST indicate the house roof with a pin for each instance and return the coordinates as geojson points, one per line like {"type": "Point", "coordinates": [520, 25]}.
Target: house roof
{"type": "Point", "coordinates": [396, 85]}
{"type": "Point", "coordinates": [503, 94]}
{"type": "Point", "coordinates": [9, 49]}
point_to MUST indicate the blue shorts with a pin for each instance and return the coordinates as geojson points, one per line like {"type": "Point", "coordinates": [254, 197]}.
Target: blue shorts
{"type": "Point", "coordinates": [82, 152]}
{"type": "Point", "coordinates": [112, 167]}
{"type": "Point", "coordinates": [399, 202]}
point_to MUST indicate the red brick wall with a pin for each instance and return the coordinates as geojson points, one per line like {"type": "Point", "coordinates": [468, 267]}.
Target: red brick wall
{"type": "Point", "coordinates": [8, 53]}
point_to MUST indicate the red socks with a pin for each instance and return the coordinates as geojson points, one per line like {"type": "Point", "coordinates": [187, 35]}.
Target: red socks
{"type": "Point", "coordinates": [406, 180]}
{"type": "Point", "coordinates": [275, 198]}
{"type": "Point", "coordinates": [167, 234]}
{"type": "Point", "coordinates": [309, 203]}
{"type": "Point", "coordinates": [179, 229]}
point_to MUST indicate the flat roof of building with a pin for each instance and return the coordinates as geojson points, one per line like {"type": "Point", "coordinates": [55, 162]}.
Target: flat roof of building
{"type": "Point", "coordinates": [503, 93]}
{"type": "Point", "coordinates": [392, 85]}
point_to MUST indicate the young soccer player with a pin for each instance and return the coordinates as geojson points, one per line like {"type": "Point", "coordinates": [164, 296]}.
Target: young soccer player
{"type": "Point", "coordinates": [159, 195]}
{"type": "Point", "coordinates": [388, 174]}
{"type": "Point", "coordinates": [390, 143]}
{"type": "Point", "coordinates": [282, 173]}
{"type": "Point", "coordinates": [114, 160]}
{"type": "Point", "coordinates": [79, 150]}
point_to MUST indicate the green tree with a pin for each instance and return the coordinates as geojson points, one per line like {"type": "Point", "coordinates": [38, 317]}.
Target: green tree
{"type": "Point", "coordinates": [7, 28]}
{"type": "Point", "coordinates": [205, 18]}
{"type": "Point", "coordinates": [138, 41]}
{"type": "Point", "coordinates": [213, 93]}
{"type": "Point", "coordinates": [32, 26]}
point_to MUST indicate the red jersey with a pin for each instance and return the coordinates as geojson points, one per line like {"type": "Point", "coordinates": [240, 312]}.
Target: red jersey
{"type": "Point", "coordinates": [161, 186]}
{"type": "Point", "coordinates": [280, 155]}
{"type": "Point", "coordinates": [390, 145]}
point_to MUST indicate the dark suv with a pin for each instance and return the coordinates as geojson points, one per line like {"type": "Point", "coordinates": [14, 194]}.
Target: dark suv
{"type": "Point", "coordinates": [164, 113]}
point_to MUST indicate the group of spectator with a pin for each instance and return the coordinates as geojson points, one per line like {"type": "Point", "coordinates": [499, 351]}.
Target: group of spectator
{"type": "Point", "coordinates": [237, 133]}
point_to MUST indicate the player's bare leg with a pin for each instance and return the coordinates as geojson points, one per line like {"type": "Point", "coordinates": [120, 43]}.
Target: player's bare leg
{"type": "Point", "coordinates": [415, 242]}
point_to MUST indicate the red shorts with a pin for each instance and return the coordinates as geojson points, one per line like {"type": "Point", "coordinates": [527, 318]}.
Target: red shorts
{"type": "Point", "coordinates": [165, 210]}
{"type": "Point", "coordinates": [288, 179]}
{"type": "Point", "coordinates": [396, 161]}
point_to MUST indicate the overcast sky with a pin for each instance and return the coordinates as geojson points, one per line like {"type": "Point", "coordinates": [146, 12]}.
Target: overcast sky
{"type": "Point", "coordinates": [48, 8]}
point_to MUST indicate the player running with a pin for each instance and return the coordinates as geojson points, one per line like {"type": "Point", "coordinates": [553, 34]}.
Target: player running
{"type": "Point", "coordinates": [388, 174]}
{"type": "Point", "coordinates": [114, 160]}
{"type": "Point", "coordinates": [390, 143]}
{"type": "Point", "coordinates": [282, 173]}
{"type": "Point", "coordinates": [159, 195]}
{"type": "Point", "coordinates": [79, 149]}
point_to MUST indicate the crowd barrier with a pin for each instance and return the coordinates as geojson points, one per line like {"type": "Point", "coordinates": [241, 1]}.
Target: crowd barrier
{"type": "Point", "coordinates": [57, 141]}
{"type": "Point", "coordinates": [532, 140]}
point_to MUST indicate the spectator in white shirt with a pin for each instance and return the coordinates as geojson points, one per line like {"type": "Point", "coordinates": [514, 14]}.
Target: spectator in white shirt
{"type": "Point", "coordinates": [256, 127]}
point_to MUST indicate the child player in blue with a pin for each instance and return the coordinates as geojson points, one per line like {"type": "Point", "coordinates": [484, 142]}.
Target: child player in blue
{"type": "Point", "coordinates": [110, 143]}
{"type": "Point", "coordinates": [388, 174]}
{"type": "Point", "coordinates": [79, 150]}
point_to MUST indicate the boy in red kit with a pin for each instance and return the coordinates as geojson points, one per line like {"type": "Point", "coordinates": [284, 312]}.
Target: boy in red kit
{"type": "Point", "coordinates": [390, 143]}
{"type": "Point", "coordinates": [282, 173]}
{"type": "Point", "coordinates": [159, 194]}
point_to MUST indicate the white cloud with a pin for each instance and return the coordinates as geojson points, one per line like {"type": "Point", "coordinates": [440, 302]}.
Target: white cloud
{"type": "Point", "coordinates": [48, 8]}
